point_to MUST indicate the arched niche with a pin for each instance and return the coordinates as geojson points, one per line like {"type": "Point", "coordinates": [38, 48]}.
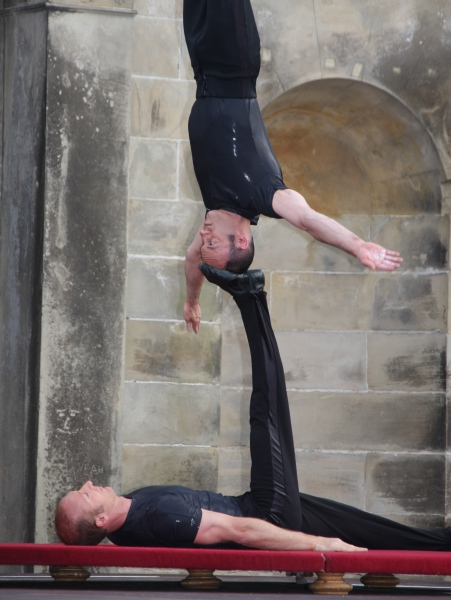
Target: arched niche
{"type": "Point", "coordinates": [351, 147]}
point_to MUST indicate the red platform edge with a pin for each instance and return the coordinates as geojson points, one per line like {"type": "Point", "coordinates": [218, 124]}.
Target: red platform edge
{"type": "Point", "coordinates": [373, 561]}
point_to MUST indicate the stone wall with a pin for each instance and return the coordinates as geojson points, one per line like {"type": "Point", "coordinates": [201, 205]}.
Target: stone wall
{"type": "Point", "coordinates": [355, 98]}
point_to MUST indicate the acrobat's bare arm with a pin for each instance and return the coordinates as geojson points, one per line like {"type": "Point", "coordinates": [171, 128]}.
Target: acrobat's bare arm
{"type": "Point", "coordinates": [293, 207]}
{"type": "Point", "coordinates": [194, 281]}
{"type": "Point", "coordinates": [217, 528]}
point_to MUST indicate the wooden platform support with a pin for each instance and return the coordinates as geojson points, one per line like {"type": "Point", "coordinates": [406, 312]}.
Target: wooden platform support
{"type": "Point", "coordinates": [380, 580]}
{"type": "Point", "coordinates": [330, 583]}
{"type": "Point", "coordinates": [69, 573]}
{"type": "Point", "coordinates": [201, 579]}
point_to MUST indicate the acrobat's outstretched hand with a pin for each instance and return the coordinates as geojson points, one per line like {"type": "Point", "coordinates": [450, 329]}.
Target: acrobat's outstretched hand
{"type": "Point", "coordinates": [192, 315]}
{"type": "Point", "coordinates": [377, 257]}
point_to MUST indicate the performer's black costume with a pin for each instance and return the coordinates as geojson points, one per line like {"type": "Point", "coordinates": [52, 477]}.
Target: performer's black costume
{"type": "Point", "coordinates": [171, 515]}
{"type": "Point", "coordinates": [233, 160]}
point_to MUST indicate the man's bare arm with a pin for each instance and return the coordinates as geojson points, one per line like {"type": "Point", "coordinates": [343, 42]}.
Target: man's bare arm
{"type": "Point", "coordinates": [216, 528]}
{"type": "Point", "coordinates": [293, 207]}
{"type": "Point", "coordinates": [194, 281]}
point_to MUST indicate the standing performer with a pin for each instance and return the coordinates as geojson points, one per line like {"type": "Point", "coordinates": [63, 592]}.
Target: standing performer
{"type": "Point", "coordinates": [237, 171]}
{"type": "Point", "coordinates": [273, 514]}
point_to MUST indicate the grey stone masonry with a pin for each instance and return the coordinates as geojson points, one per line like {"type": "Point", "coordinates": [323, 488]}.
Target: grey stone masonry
{"type": "Point", "coordinates": [355, 97]}
{"type": "Point", "coordinates": [84, 252]}
{"type": "Point", "coordinates": [99, 202]}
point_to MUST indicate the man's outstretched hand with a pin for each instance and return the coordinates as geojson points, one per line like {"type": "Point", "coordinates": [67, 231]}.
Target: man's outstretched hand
{"type": "Point", "coordinates": [377, 257]}
{"type": "Point", "coordinates": [192, 314]}
{"type": "Point", "coordinates": [325, 544]}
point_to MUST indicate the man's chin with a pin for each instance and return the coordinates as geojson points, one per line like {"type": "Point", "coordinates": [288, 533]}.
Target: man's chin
{"type": "Point", "coordinates": [218, 263]}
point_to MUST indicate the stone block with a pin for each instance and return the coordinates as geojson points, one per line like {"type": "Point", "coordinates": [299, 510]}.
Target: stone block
{"type": "Point", "coordinates": [446, 197]}
{"type": "Point", "coordinates": [321, 301]}
{"type": "Point", "coordinates": [422, 241]}
{"type": "Point", "coordinates": [447, 478]}
{"type": "Point", "coordinates": [165, 351]}
{"type": "Point", "coordinates": [342, 35]}
{"type": "Point", "coordinates": [235, 416]}
{"type": "Point", "coordinates": [332, 475]}
{"type": "Point", "coordinates": [431, 521]}
{"type": "Point", "coordinates": [152, 169]}
{"type": "Point", "coordinates": [323, 360]}
{"type": "Point", "coordinates": [231, 316]}
{"type": "Point", "coordinates": [188, 186]}
{"type": "Point", "coordinates": [418, 77]}
{"type": "Point", "coordinates": [169, 9]}
{"type": "Point", "coordinates": [160, 108]}
{"type": "Point", "coordinates": [268, 87]}
{"type": "Point", "coordinates": [154, 41]}
{"type": "Point", "coordinates": [234, 470]}
{"type": "Point", "coordinates": [190, 466]}
{"type": "Point", "coordinates": [368, 421]}
{"type": "Point", "coordinates": [235, 359]}
{"type": "Point", "coordinates": [162, 228]}
{"type": "Point", "coordinates": [411, 302]}
{"type": "Point", "coordinates": [186, 70]}
{"type": "Point", "coordinates": [405, 483]}
{"type": "Point", "coordinates": [394, 48]}
{"type": "Point", "coordinates": [404, 361]}
{"type": "Point", "coordinates": [302, 50]}
{"type": "Point", "coordinates": [163, 413]}
{"type": "Point", "coordinates": [156, 290]}
{"type": "Point", "coordinates": [103, 6]}
{"type": "Point", "coordinates": [448, 421]}
{"type": "Point", "coordinates": [398, 154]}
{"type": "Point", "coordinates": [409, 194]}
{"type": "Point", "coordinates": [279, 243]}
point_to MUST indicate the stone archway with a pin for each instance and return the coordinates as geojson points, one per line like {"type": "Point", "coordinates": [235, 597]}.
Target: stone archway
{"type": "Point", "coordinates": [354, 148]}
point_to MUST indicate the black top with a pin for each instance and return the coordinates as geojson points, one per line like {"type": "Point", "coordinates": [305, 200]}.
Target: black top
{"type": "Point", "coordinates": [234, 162]}
{"type": "Point", "coordinates": [224, 47]}
{"type": "Point", "coordinates": [170, 515]}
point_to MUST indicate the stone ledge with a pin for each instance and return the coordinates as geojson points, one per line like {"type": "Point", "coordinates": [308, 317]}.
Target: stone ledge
{"type": "Point", "coordinates": [52, 6]}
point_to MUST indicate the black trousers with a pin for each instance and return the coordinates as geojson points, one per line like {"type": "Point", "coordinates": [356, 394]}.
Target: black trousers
{"type": "Point", "coordinates": [274, 485]}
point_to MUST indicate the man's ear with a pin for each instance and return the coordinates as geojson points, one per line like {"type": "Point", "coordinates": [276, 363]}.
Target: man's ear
{"type": "Point", "coordinates": [243, 242]}
{"type": "Point", "coordinates": [101, 521]}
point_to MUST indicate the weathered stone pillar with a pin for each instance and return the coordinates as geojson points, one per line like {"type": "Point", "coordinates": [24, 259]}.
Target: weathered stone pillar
{"type": "Point", "coordinates": [63, 252]}
{"type": "Point", "coordinates": [88, 79]}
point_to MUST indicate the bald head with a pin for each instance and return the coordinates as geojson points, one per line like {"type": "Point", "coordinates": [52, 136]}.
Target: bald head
{"type": "Point", "coordinates": [75, 521]}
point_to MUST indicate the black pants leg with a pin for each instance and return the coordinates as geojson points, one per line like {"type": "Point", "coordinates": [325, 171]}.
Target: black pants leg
{"type": "Point", "coordinates": [274, 484]}
{"type": "Point", "coordinates": [333, 519]}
